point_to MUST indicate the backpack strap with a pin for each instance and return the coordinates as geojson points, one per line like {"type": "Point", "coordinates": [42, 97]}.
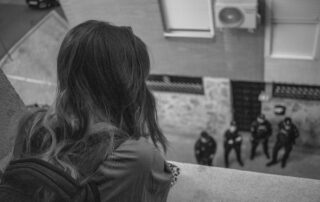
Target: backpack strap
{"type": "Point", "coordinates": [32, 173]}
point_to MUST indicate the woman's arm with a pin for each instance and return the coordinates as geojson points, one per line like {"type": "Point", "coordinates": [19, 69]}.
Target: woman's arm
{"type": "Point", "coordinates": [134, 172]}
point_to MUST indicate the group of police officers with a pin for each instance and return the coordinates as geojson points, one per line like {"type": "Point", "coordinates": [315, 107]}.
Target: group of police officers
{"type": "Point", "coordinates": [261, 131]}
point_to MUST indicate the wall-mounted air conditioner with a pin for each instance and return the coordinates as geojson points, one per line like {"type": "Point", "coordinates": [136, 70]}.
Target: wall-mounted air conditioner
{"type": "Point", "coordinates": [236, 14]}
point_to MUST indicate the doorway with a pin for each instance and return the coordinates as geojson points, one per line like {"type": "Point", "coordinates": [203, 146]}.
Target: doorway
{"type": "Point", "coordinates": [245, 102]}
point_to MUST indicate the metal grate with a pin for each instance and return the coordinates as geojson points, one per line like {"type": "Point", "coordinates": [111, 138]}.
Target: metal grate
{"type": "Point", "coordinates": [245, 102]}
{"type": "Point", "coordinates": [177, 84]}
{"type": "Point", "coordinates": [294, 91]}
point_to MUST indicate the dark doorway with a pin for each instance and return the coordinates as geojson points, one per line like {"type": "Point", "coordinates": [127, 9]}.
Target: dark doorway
{"type": "Point", "coordinates": [246, 104]}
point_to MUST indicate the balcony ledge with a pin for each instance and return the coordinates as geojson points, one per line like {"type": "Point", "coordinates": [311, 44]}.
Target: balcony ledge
{"type": "Point", "coordinates": [201, 184]}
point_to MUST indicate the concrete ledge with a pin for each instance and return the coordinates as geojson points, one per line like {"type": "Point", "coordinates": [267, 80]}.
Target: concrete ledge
{"type": "Point", "coordinates": [11, 107]}
{"type": "Point", "coordinates": [211, 184]}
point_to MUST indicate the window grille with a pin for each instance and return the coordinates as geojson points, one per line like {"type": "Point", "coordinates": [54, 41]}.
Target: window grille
{"type": "Point", "coordinates": [177, 84]}
{"type": "Point", "coordinates": [294, 91]}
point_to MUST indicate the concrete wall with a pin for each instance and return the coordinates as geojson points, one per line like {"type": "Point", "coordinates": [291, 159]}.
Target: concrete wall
{"type": "Point", "coordinates": [209, 184]}
{"type": "Point", "coordinates": [305, 114]}
{"type": "Point", "coordinates": [32, 69]}
{"type": "Point", "coordinates": [231, 54]}
{"type": "Point", "coordinates": [11, 107]}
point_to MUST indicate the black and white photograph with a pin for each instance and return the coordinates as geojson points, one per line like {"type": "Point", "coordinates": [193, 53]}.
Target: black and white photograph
{"type": "Point", "coordinates": [159, 100]}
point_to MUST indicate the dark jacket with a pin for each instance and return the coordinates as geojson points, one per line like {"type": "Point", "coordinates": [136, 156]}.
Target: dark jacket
{"type": "Point", "coordinates": [261, 130]}
{"type": "Point", "coordinates": [232, 139]}
{"type": "Point", "coordinates": [205, 149]}
{"type": "Point", "coordinates": [287, 134]}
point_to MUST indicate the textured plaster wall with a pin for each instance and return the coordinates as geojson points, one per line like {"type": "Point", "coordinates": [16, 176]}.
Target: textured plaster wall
{"type": "Point", "coordinates": [32, 69]}
{"type": "Point", "coordinates": [203, 184]}
{"type": "Point", "coordinates": [305, 114]}
{"type": "Point", "coordinates": [11, 107]}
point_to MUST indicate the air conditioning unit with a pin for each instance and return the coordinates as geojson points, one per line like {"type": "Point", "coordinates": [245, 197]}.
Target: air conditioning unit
{"type": "Point", "coordinates": [236, 14]}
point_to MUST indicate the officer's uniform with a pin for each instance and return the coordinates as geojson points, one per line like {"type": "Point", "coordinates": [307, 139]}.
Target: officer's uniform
{"type": "Point", "coordinates": [260, 132]}
{"type": "Point", "coordinates": [205, 150]}
{"type": "Point", "coordinates": [285, 139]}
{"type": "Point", "coordinates": [232, 140]}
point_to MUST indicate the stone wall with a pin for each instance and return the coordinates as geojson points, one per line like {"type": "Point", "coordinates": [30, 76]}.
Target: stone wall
{"type": "Point", "coordinates": [193, 113]}
{"type": "Point", "coordinates": [305, 114]}
{"type": "Point", "coordinates": [189, 114]}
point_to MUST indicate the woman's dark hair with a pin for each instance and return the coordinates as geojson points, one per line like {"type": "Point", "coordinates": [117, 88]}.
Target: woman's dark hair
{"type": "Point", "coordinates": [102, 99]}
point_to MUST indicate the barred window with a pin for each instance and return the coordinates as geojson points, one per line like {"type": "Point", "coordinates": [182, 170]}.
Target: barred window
{"type": "Point", "coordinates": [294, 91]}
{"type": "Point", "coordinates": [178, 84]}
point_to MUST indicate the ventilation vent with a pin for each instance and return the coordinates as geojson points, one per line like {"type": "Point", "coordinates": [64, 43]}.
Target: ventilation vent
{"type": "Point", "coordinates": [177, 84]}
{"type": "Point", "coordinates": [294, 91]}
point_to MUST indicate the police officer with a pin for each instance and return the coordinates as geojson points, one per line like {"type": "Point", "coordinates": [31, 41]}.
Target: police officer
{"type": "Point", "coordinates": [232, 140]}
{"type": "Point", "coordinates": [286, 138]}
{"type": "Point", "coordinates": [205, 149]}
{"type": "Point", "coordinates": [261, 130]}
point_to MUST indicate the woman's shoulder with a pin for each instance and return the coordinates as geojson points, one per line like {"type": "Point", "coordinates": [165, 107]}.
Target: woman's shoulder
{"type": "Point", "coordinates": [138, 154]}
{"type": "Point", "coordinates": [139, 145]}
{"type": "Point", "coordinates": [136, 168]}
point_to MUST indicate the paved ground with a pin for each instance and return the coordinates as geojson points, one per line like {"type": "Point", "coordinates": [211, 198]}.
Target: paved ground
{"type": "Point", "coordinates": [303, 162]}
{"type": "Point", "coordinates": [16, 19]}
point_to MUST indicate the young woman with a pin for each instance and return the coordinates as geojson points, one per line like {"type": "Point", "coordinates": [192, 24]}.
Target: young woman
{"type": "Point", "coordinates": [103, 126]}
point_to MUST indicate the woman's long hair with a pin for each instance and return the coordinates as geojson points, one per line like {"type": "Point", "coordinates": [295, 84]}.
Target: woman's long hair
{"type": "Point", "coordinates": [102, 99]}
